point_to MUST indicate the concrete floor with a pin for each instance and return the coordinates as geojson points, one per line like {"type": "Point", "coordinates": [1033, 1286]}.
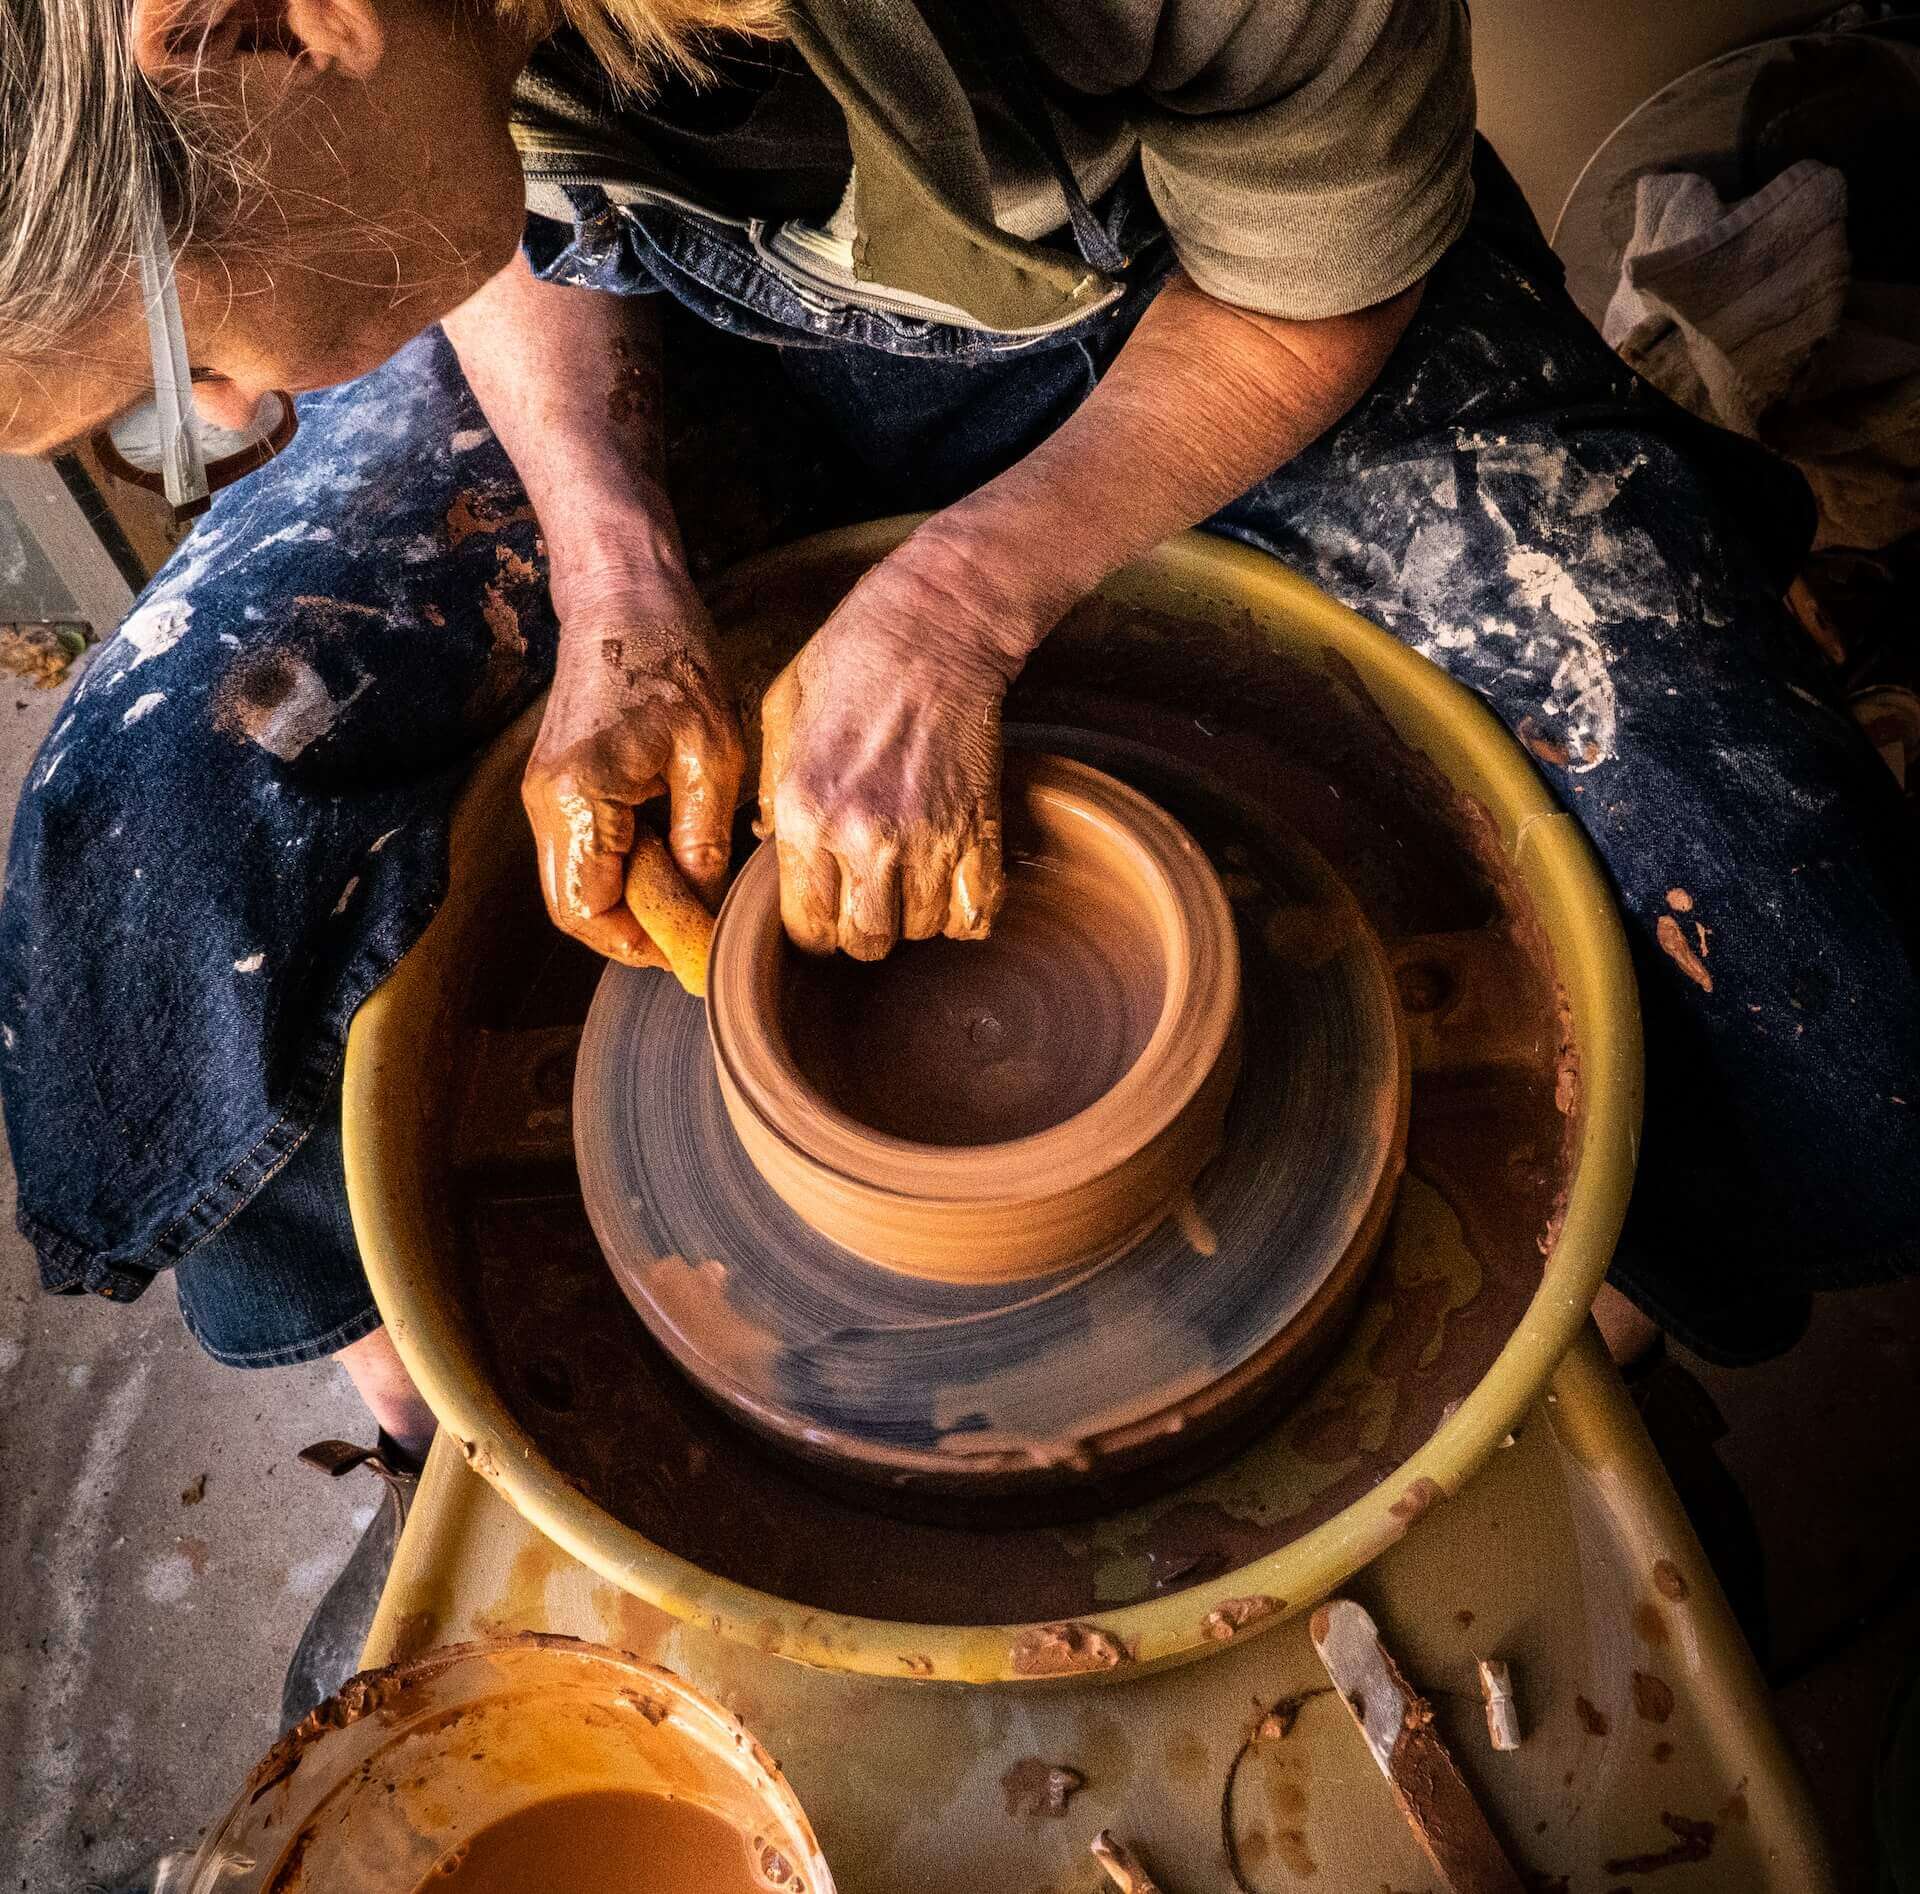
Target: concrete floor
{"type": "Point", "coordinates": [142, 1637]}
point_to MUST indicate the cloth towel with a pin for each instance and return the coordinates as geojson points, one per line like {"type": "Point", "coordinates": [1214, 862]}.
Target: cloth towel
{"type": "Point", "coordinates": [1721, 306]}
{"type": "Point", "coordinates": [1749, 315]}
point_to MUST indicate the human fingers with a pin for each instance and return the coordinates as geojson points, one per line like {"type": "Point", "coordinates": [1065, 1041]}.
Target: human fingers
{"type": "Point", "coordinates": [703, 773]}
{"type": "Point", "coordinates": [926, 890]}
{"type": "Point", "coordinates": [620, 937]}
{"type": "Point", "coordinates": [581, 840]}
{"type": "Point", "coordinates": [978, 886]}
{"type": "Point", "coordinates": [776, 735]}
{"type": "Point", "coordinates": [809, 891]}
{"type": "Point", "coordinates": [869, 920]}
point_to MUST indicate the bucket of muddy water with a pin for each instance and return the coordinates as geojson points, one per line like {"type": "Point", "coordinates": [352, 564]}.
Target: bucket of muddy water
{"type": "Point", "coordinates": [502, 1768]}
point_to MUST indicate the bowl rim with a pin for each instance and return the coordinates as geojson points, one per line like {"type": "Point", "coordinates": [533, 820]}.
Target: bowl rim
{"type": "Point", "coordinates": [1199, 1008]}
{"type": "Point", "coordinates": [395, 1098]}
{"type": "Point", "coordinates": [721, 1736]}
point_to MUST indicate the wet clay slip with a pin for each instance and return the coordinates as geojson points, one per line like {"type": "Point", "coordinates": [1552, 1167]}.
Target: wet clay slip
{"type": "Point", "coordinates": [1063, 1385]}
{"type": "Point", "coordinates": [982, 1111]}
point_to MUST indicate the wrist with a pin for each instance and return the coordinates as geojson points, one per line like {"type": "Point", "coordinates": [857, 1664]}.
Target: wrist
{"type": "Point", "coordinates": [606, 554]}
{"type": "Point", "coordinates": [987, 586]}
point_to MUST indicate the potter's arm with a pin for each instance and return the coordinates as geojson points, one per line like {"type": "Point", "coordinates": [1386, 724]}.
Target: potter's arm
{"type": "Point", "coordinates": [880, 774]}
{"type": "Point", "coordinates": [570, 381]}
{"type": "Point", "coordinates": [1203, 401]}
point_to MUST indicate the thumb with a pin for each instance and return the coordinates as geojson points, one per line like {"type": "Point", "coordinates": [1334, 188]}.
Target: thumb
{"type": "Point", "coordinates": [776, 741]}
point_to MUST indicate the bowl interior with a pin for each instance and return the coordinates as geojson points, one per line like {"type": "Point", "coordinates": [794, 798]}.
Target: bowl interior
{"type": "Point", "coordinates": [964, 1043]}
{"type": "Point", "coordinates": [535, 1763]}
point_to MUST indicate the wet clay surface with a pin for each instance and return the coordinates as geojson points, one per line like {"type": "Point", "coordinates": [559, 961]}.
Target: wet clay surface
{"type": "Point", "coordinates": [600, 1842]}
{"type": "Point", "coordinates": [1060, 1085]}
{"type": "Point", "coordinates": [963, 1042]}
{"type": "Point", "coordinates": [1487, 1154]}
{"type": "Point", "coordinates": [977, 1386]}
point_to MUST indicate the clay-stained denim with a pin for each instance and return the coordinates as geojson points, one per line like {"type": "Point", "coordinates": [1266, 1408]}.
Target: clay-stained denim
{"type": "Point", "coordinates": [240, 825]}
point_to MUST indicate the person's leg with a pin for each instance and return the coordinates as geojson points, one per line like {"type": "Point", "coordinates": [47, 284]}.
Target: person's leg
{"type": "Point", "coordinates": [380, 1377]}
{"type": "Point", "coordinates": [1606, 574]}
{"type": "Point", "coordinates": [281, 1284]}
{"type": "Point", "coordinates": [234, 832]}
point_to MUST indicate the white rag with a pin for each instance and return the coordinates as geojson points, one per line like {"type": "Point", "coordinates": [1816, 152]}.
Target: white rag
{"type": "Point", "coordinates": [1748, 314]}
{"type": "Point", "coordinates": [1722, 306]}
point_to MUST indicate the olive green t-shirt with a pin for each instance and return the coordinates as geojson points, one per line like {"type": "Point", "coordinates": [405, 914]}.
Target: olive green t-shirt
{"type": "Point", "coordinates": [1308, 157]}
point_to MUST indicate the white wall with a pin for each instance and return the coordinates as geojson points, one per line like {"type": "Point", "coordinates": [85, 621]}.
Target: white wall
{"type": "Point", "coordinates": [1556, 76]}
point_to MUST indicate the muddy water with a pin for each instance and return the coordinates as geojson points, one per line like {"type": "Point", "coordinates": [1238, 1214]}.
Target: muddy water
{"type": "Point", "coordinates": [601, 1841]}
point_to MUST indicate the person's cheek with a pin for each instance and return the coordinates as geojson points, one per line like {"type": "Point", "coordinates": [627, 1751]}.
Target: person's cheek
{"type": "Point", "coordinates": [228, 404]}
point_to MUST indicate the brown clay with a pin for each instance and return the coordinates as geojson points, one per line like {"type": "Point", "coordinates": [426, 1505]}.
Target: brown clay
{"type": "Point", "coordinates": [989, 1389]}
{"type": "Point", "coordinates": [988, 1111]}
{"type": "Point", "coordinates": [602, 1841]}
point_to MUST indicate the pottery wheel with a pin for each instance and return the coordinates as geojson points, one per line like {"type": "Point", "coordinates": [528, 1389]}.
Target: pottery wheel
{"type": "Point", "coordinates": [1007, 1387]}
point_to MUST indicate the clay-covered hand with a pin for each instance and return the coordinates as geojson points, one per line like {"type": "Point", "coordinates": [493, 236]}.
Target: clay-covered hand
{"type": "Point", "coordinates": [638, 709]}
{"type": "Point", "coordinates": [880, 771]}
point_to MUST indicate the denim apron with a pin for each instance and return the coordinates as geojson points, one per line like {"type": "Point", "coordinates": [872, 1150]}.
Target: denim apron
{"type": "Point", "coordinates": [240, 825]}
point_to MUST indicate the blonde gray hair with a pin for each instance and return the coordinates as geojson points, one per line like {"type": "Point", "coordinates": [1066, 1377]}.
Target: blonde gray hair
{"type": "Point", "coordinates": [630, 38]}
{"type": "Point", "coordinates": [83, 132]}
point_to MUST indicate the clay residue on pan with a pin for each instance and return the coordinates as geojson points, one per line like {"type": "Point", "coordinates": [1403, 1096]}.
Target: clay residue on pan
{"type": "Point", "coordinates": [1034, 1787]}
{"type": "Point", "coordinates": [1650, 1623]}
{"type": "Point", "coordinates": [1669, 1581]}
{"type": "Point", "coordinates": [691, 1299]}
{"type": "Point", "coordinates": [1693, 1841]}
{"type": "Point", "coordinates": [1062, 1650]}
{"type": "Point", "coordinates": [1233, 1615]}
{"type": "Point", "coordinates": [1305, 938]}
{"type": "Point", "coordinates": [1412, 1327]}
{"type": "Point", "coordinates": [1592, 1719]}
{"type": "Point", "coordinates": [1194, 1540]}
{"type": "Point", "coordinates": [1194, 1226]}
{"type": "Point", "coordinates": [1681, 952]}
{"type": "Point", "coordinates": [1418, 1500]}
{"type": "Point", "coordinates": [1652, 1697]}
{"type": "Point", "coordinates": [1420, 860]}
{"type": "Point", "coordinates": [361, 1696]}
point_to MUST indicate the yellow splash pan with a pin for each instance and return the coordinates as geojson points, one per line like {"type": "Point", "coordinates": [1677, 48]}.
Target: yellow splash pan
{"type": "Point", "coordinates": [405, 1046]}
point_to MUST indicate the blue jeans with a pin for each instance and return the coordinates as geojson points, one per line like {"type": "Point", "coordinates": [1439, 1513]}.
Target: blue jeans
{"type": "Point", "coordinates": [241, 824]}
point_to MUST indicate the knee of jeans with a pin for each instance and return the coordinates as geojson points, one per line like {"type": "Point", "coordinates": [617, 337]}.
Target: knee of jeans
{"type": "Point", "coordinates": [390, 556]}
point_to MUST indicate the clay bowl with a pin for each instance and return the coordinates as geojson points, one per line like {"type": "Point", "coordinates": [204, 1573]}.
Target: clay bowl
{"type": "Point", "coordinates": [984, 1111]}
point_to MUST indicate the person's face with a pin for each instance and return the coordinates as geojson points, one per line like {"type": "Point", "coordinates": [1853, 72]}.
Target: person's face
{"type": "Point", "coordinates": [388, 191]}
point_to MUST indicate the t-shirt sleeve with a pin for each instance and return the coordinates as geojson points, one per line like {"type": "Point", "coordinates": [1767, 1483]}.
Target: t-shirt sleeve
{"type": "Point", "coordinates": [1308, 157]}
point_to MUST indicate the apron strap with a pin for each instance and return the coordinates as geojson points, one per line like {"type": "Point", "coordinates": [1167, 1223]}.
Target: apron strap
{"type": "Point", "coordinates": [994, 42]}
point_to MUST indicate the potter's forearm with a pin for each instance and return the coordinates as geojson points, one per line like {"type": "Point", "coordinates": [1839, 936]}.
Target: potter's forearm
{"type": "Point", "coordinates": [1202, 402]}
{"type": "Point", "coordinates": [569, 380]}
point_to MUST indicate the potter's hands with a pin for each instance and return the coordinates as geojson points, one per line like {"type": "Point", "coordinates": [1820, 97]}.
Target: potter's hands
{"type": "Point", "coordinates": [638, 709]}
{"type": "Point", "coordinates": [880, 772]}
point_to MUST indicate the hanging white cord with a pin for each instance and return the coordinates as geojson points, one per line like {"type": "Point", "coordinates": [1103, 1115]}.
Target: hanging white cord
{"type": "Point", "coordinates": [183, 466]}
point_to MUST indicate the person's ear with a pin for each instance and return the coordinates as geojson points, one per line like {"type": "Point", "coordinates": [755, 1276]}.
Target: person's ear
{"type": "Point", "coordinates": [187, 39]}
